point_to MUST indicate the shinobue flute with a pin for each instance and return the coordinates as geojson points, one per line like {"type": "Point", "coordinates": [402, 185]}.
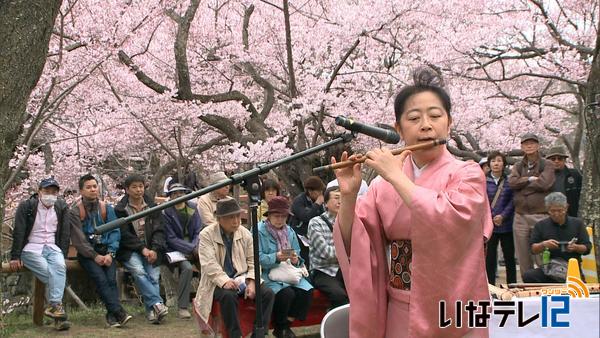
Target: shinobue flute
{"type": "Point", "coordinates": [362, 158]}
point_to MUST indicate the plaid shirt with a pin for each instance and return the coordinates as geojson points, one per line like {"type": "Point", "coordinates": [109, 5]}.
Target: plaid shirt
{"type": "Point", "coordinates": [322, 250]}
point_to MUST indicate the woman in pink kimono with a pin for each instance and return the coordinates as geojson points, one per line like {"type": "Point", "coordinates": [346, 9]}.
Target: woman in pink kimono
{"type": "Point", "coordinates": [417, 237]}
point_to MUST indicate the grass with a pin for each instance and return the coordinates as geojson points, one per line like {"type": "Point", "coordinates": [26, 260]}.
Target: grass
{"type": "Point", "coordinates": [91, 324]}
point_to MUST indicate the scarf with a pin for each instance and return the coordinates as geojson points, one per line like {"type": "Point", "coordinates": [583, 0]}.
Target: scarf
{"type": "Point", "coordinates": [280, 235]}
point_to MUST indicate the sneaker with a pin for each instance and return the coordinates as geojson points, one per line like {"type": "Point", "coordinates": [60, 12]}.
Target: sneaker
{"type": "Point", "coordinates": [56, 311]}
{"type": "Point", "coordinates": [62, 325]}
{"type": "Point", "coordinates": [160, 311]}
{"type": "Point", "coordinates": [184, 314]}
{"type": "Point", "coordinates": [285, 332]}
{"type": "Point", "coordinates": [123, 317]}
{"type": "Point", "coordinates": [111, 321]}
{"type": "Point", "coordinates": [288, 333]}
{"type": "Point", "coordinates": [151, 316]}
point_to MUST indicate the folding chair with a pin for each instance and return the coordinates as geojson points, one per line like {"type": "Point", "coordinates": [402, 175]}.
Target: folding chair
{"type": "Point", "coordinates": [336, 324]}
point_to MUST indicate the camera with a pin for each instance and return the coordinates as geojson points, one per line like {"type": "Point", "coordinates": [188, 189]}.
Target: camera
{"type": "Point", "coordinates": [96, 242]}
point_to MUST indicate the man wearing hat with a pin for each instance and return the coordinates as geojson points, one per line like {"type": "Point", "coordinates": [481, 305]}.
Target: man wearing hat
{"type": "Point", "coordinates": [227, 259]}
{"type": "Point", "coordinates": [182, 226]}
{"type": "Point", "coordinates": [207, 204]}
{"type": "Point", "coordinates": [41, 241]}
{"type": "Point", "coordinates": [531, 179]}
{"type": "Point", "coordinates": [568, 181]}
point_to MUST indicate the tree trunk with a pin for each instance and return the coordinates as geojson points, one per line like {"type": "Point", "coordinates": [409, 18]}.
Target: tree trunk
{"type": "Point", "coordinates": [591, 185]}
{"type": "Point", "coordinates": [25, 33]}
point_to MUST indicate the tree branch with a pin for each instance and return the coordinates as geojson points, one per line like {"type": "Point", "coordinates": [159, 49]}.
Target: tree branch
{"type": "Point", "coordinates": [340, 64]}
{"type": "Point", "coordinates": [143, 123]}
{"type": "Point", "coordinates": [181, 41]}
{"type": "Point", "coordinates": [553, 30]}
{"type": "Point", "coordinates": [140, 75]}
{"type": "Point", "coordinates": [288, 48]}
{"type": "Point", "coordinates": [247, 13]}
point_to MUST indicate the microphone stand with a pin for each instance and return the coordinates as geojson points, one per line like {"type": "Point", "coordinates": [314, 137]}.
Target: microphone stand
{"type": "Point", "coordinates": [250, 181]}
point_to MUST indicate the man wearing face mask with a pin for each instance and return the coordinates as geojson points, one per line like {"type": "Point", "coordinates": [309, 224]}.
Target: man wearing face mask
{"type": "Point", "coordinates": [40, 243]}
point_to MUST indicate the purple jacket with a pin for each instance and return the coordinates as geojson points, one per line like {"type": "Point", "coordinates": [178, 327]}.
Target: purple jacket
{"type": "Point", "coordinates": [504, 205]}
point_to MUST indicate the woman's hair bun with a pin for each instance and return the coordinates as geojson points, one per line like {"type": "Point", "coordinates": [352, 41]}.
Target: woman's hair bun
{"type": "Point", "coordinates": [427, 76]}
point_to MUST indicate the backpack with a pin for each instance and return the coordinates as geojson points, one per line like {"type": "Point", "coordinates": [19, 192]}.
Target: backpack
{"type": "Point", "coordinates": [101, 206]}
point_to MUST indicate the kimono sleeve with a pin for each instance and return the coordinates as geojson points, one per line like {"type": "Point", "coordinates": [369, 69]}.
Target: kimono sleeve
{"type": "Point", "coordinates": [365, 275]}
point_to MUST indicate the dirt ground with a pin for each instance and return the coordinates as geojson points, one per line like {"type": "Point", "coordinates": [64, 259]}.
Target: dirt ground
{"type": "Point", "coordinates": [92, 325]}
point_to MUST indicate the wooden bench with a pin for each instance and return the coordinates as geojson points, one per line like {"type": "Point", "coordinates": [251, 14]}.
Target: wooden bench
{"type": "Point", "coordinates": [39, 290]}
{"type": "Point", "coordinates": [247, 312]}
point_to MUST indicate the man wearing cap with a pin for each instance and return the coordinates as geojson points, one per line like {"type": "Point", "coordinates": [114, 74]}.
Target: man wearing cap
{"type": "Point", "coordinates": [207, 204]}
{"type": "Point", "coordinates": [531, 179]}
{"type": "Point", "coordinates": [568, 180]}
{"type": "Point", "coordinates": [182, 226]}
{"type": "Point", "coordinates": [227, 259]}
{"type": "Point", "coordinates": [41, 241]}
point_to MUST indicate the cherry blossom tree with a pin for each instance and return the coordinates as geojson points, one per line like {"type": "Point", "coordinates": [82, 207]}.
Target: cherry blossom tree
{"type": "Point", "coordinates": [226, 84]}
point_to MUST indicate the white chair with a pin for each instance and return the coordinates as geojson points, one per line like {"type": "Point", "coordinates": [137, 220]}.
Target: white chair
{"type": "Point", "coordinates": [336, 323]}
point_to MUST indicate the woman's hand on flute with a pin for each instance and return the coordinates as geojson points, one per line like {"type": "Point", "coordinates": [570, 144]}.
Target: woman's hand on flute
{"type": "Point", "coordinates": [349, 178]}
{"type": "Point", "coordinates": [386, 164]}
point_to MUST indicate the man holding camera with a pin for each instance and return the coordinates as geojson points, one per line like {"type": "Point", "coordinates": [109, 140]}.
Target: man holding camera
{"type": "Point", "coordinates": [564, 236]}
{"type": "Point", "coordinates": [96, 253]}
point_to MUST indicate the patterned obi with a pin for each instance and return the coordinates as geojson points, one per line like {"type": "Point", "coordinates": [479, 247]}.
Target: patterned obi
{"type": "Point", "coordinates": [401, 264]}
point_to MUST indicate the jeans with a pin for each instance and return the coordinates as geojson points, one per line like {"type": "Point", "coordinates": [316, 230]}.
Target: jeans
{"type": "Point", "coordinates": [50, 269]}
{"type": "Point", "coordinates": [146, 279]}
{"type": "Point", "coordinates": [106, 282]}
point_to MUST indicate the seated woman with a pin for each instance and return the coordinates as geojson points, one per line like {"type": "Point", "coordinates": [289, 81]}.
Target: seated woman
{"type": "Point", "coordinates": [270, 189]}
{"type": "Point", "coordinates": [278, 243]}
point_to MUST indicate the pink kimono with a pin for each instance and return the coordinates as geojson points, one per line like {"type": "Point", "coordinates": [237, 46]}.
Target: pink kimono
{"type": "Point", "coordinates": [446, 226]}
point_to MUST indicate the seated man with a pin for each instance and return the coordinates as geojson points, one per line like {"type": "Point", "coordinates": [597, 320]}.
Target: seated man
{"type": "Point", "coordinates": [326, 275]}
{"type": "Point", "coordinates": [142, 246]}
{"type": "Point", "coordinates": [227, 259]}
{"type": "Point", "coordinates": [565, 237]}
{"type": "Point", "coordinates": [182, 225]}
{"type": "Point", "coordinates": [40, 243]}
{"type": "Point", "coordinates": [96, 253]}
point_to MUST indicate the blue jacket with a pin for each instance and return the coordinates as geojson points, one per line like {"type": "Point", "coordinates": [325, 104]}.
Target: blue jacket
{"type": "Point", "coordinates": [174, 230]}
{"type": "Point", "coordinates": [111, 238]}
{"type": "Point", "coordinates": [504, 205]}
{"type": "Point", "coordinates": [267, 248]}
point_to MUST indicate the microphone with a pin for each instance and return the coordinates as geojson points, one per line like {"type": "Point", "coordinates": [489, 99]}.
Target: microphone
{"type": "Point", "coordinates": [385, 135]}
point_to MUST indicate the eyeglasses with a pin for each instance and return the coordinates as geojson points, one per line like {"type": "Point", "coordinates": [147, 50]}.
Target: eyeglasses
{"type": "Point", "coordinates": [556, 158]}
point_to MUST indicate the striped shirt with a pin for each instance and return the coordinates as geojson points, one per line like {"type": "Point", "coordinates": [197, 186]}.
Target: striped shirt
{"type": "Point", "coordinates": [322, 251]}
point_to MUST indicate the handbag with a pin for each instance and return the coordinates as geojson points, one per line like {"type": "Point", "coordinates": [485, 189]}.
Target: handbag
{"type": "Point", "coordinates": [285, 272]}
{"type": "Point", "coordinates": [556, 269]}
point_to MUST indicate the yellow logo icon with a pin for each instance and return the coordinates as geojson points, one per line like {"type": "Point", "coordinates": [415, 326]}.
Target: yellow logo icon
{"type": "Point", "coordinates": [576, 288]}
